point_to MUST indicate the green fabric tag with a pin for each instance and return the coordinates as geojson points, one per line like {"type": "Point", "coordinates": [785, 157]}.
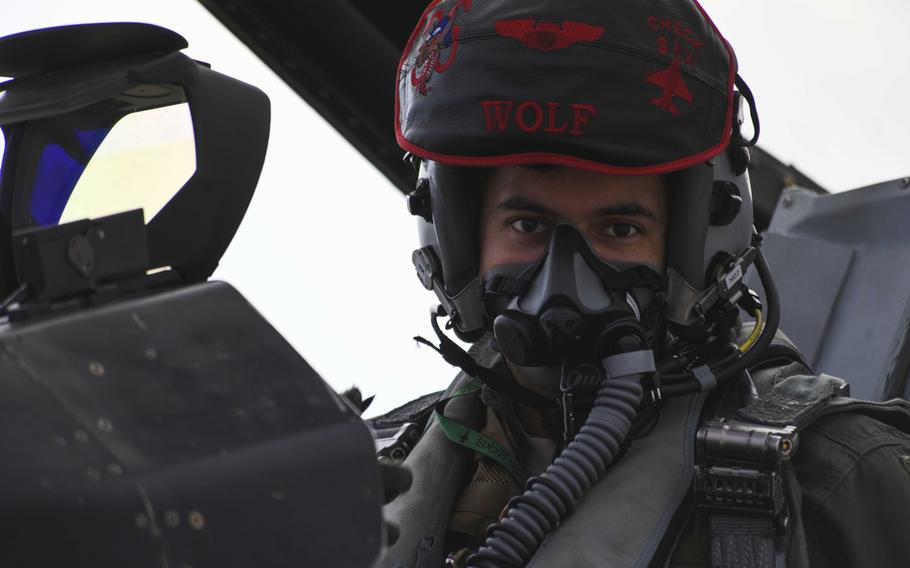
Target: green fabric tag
{"type": "Point", "coordinates": [464, 436]}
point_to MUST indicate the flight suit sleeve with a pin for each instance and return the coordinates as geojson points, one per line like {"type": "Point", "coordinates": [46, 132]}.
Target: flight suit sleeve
{"type": "Point", "coordinates": [854, 472]}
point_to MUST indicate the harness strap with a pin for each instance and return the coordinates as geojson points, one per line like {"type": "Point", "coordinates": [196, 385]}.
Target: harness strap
{"type": "Point", "coordinates": [742, 475]}
{"type": "Point", "coordinates": [744, 541]}
{"type": "Point", "coordinates": [741, 481]}
{"type": "Point", "coordinates": [473, 440]}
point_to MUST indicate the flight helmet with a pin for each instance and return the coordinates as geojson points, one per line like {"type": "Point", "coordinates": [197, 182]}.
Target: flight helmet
{"type": "Point", "coordinates": [618, 87]}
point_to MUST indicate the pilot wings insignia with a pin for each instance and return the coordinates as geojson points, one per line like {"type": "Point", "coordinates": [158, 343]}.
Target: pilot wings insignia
{"type": "Point", "coordinates": [548, 36]}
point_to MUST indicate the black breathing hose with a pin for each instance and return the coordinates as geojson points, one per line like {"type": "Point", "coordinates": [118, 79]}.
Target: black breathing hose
{"type": "Point", "coordinates": [550, 497]}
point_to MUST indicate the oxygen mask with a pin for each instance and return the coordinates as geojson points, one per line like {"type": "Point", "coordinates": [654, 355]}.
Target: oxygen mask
{"type": "Point", "coordinates": [571, 307]}
{"type": "Point", "coordinates": [555, 320]}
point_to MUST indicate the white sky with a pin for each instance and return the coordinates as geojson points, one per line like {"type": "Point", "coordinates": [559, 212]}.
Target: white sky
{"type": "Point", "coordinates": [324, 251]}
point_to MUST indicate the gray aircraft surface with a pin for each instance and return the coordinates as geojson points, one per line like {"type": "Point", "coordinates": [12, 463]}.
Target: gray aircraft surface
{"type": "Point", "coordinates": [150, 417]}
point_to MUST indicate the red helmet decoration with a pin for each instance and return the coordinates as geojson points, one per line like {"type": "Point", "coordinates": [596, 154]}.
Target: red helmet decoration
{"type": "Point", "coordinates": [621, 86]}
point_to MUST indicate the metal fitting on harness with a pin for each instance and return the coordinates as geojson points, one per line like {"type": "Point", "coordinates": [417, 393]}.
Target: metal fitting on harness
{"type": "Point", "coordinates": [739, 468]}
{"type": "Point", "coordinates": [393, 449]}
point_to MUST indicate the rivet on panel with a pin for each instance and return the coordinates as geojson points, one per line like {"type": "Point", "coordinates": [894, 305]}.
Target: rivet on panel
{"type": "Point", "coordinates": [196, 520]}
{"type": "Point", "coordinates": [141, 521]}
{"type": "Point", "coordinates": [171, 519]}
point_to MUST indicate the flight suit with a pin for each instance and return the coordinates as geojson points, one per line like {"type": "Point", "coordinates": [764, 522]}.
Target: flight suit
{"type": "Point", "coordinates": [849, 490]}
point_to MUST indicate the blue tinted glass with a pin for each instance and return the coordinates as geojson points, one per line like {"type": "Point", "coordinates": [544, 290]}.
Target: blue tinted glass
{"type": "Point", "coordinates": [2, 149]}
{"type": "Point", "coordinates": [57, 175]}
{"type": "Point", "coordinates": [91, 139]}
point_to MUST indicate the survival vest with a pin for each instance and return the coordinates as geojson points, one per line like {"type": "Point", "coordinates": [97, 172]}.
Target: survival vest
{"type": "Point", "coordinates": [737, 476]}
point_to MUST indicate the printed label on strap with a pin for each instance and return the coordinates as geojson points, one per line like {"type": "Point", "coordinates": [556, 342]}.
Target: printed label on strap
{"type": "Point", "coordinates": [473, 440]}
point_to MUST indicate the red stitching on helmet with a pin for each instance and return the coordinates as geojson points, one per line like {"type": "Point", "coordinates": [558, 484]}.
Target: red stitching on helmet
{"type": "Point", "coordinates": [685, 45]}
{"type": "Point", "coordinates": [728, 121]}
{"type": "Point", "coordinates": [580, 115]}
{"type": "Point", "coordinates": [677, 28]}
{"type": "Point", "coordinates": [497, 114]}
{"type": "Point", "coordinates": [673, 85]}
{"type": "Point", "coordinates": [442, 33]}
{"type": "Point", "coordinates": [520, 116]}
{"type": "Point", "coordinates": [551, 120]}
{"type": "Point", "coordinates": [548, 36]}
{"type": "Point", "coordinates": [562, 159]}
{"type": "Point", "coordinates": [496, 119]}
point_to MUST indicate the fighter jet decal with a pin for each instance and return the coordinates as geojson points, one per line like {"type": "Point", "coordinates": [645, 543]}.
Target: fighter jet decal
{"type": "Point", "coordinates": [671, 81]}
{"type": "Point", "coordinates": [548, 36]}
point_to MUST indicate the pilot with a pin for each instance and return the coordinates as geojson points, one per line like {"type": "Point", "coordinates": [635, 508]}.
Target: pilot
{"type": "Point", "coordinates": [586, 224]}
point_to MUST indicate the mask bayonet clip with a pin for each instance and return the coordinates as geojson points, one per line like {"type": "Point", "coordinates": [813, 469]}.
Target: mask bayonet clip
{"type": "Point", "coordinates": [568, 417]}
{"type": "Point", "coordinates": [568, 406]}
{"type": "Point", "coordinates": [653, 387]}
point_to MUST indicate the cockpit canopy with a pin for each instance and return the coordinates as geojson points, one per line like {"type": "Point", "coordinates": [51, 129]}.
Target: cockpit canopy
{"type": "Point", "coordinates": [126, 122]}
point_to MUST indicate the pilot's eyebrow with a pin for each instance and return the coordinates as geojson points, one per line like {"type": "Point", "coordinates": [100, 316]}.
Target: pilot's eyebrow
{"type": "Point", "coordinates": [520, 203]}
{"type": "Point", "coordinates": [629, 209]}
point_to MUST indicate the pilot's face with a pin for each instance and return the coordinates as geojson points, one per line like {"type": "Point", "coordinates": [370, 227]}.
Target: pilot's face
{"type": "Point", "coordinates": [623, 217]}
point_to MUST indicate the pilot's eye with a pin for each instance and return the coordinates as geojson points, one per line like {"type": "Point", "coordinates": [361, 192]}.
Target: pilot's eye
{"type": "Point", "coordinates": [622, 230]}
{"type": "Point", "coordinates": [527, 225]}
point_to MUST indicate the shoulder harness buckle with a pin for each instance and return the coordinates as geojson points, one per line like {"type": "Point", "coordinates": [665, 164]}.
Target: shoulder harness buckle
{"type": "Point", "coordinates": [739, 468]}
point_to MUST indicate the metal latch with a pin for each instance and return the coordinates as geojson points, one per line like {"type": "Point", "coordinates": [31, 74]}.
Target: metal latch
{"type": "Point", "coordinates": [739, 467]}
{"type": "Point", "coordinates": [393, 449]}
{"type": "Point", "coordinates": [739, 489]}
